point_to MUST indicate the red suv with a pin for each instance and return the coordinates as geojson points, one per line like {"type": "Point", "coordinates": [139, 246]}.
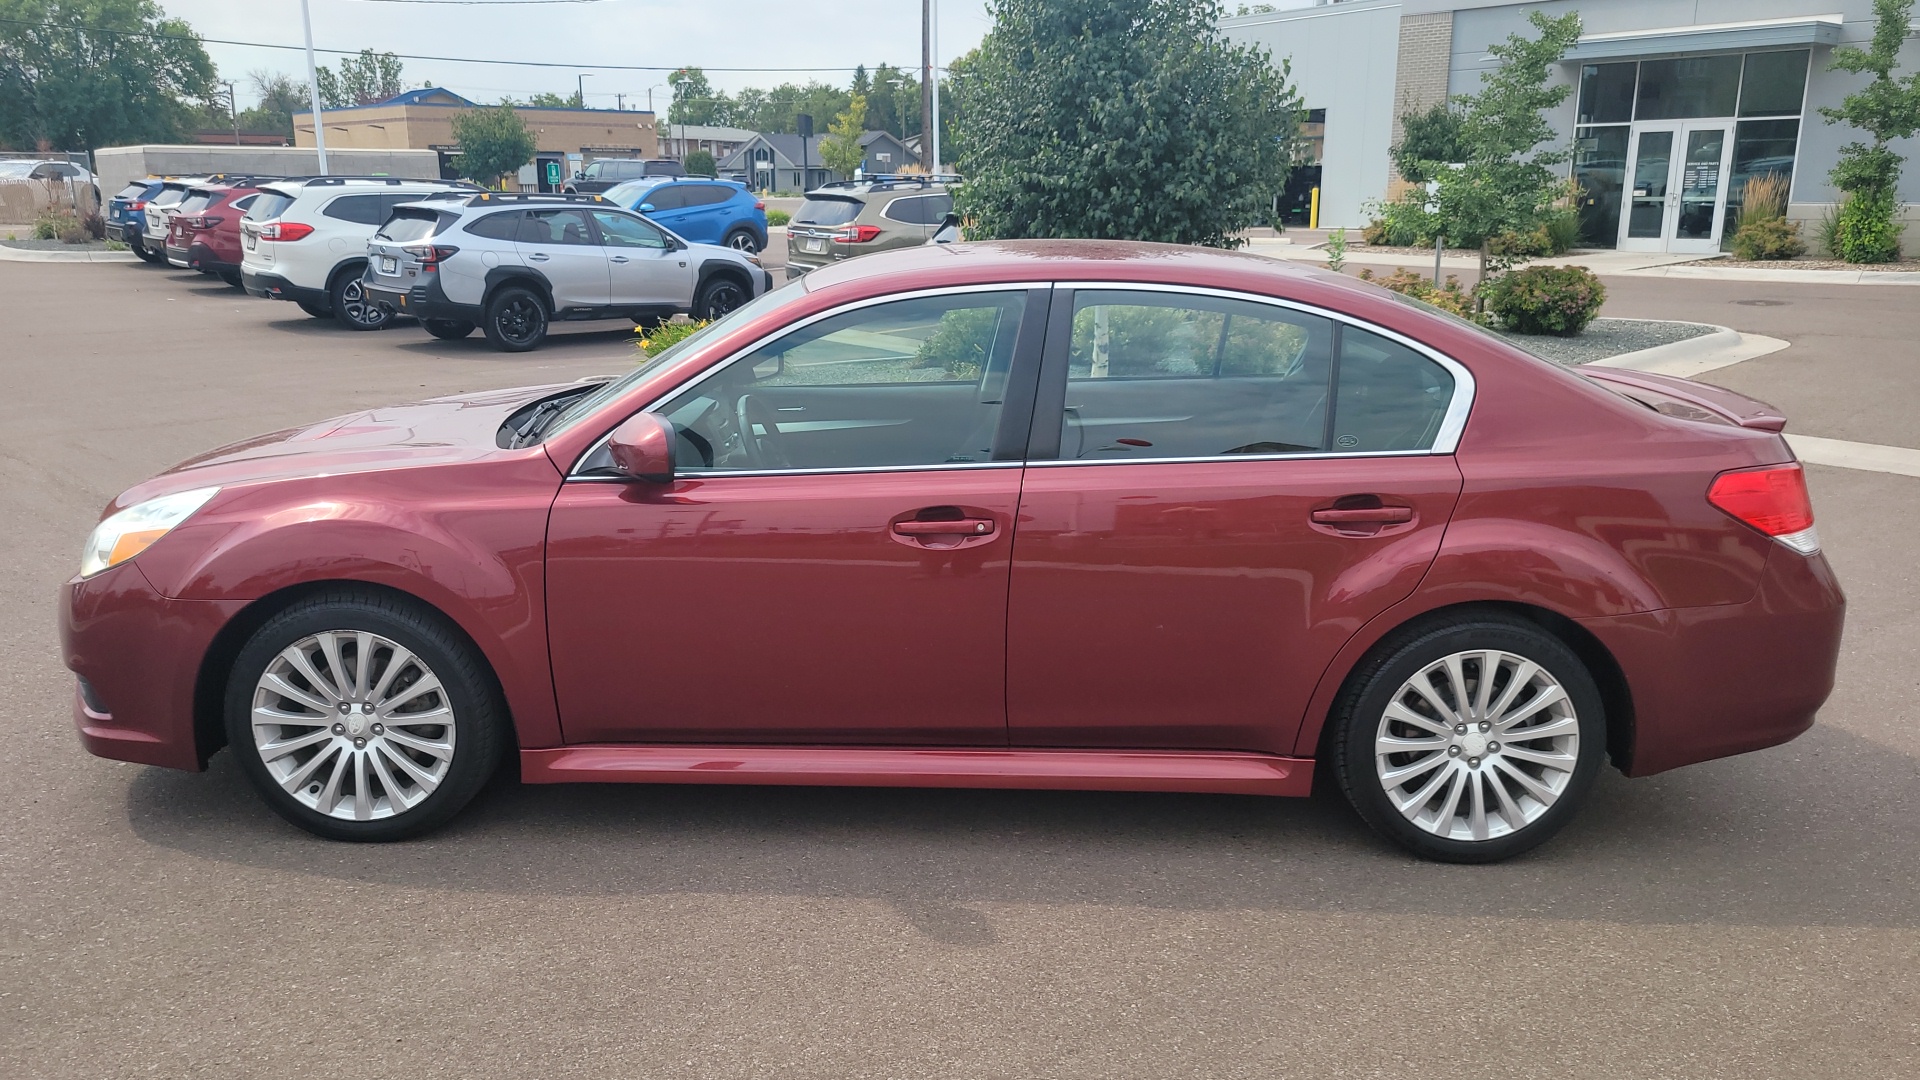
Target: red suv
{"type": "Point", "coordinates": [205, 233]}
{"type": "Point", "coordinates": [1062, 514]}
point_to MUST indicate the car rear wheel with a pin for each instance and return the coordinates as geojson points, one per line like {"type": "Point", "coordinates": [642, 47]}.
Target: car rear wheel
{"type": "Point", "coordinates": [359, 716]}
{"type": "Point", "coordinates": [743, 240]}
{"type": "Point", "coordinates": [1472, 741]}
{"type": "Point", "coordinates": [448, 329]}
{"type": "Point", "coordinates": [516, 319]}
{"type": "Point", "coordinates": [351, 306]}
{"type": "Point", "coordinates": [721, 294]}
{"type": "Point", "coordinates": [146, 253]}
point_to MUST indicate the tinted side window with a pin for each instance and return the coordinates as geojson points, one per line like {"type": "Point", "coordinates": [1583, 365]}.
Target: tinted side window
{"type": "Point", "coordinates": [1153, 375]}
{"type": "Point", "coordinates": [1389, 397]}
{"type": "Point", "coordinates": [622, 230]}
{"type": "Point", "coordinates": [913, 382]}
{"type": "Point", "coordinates": [496, 226]}
{"type": "Point", "coordinates": [665, 197]}
{"type": "Point", "coordinates": [359, 209]}
{"type": "Point", "coordinates": [707, 194]}
{"type": "Point", "coordinates": [548, 227]}
{"type": "Point", "coordinates": [913, 210]}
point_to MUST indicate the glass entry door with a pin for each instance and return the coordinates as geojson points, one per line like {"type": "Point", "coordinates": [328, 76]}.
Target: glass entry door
{"type": "Point", "coordinates": [1677, 187]}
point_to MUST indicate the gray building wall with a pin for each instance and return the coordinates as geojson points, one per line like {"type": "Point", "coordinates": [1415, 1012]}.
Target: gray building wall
{"type": "Point", "coordinates": [116, 165]}
{"type": "Point", "coordinates": [1344, 61]}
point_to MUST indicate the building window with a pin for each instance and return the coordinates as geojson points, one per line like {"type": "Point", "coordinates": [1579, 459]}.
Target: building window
{"type": "Point", "coordinates": [1606, 93]}
{"type": "Point", "coordinates": [1600, 168]}
{"type": "Point", "coordinates": [1774, 84]}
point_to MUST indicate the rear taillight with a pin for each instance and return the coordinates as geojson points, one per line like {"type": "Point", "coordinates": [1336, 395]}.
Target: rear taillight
{"type": "Point", "coordinates": [431, 255]}
{"type": "Point", "coordinates": [759, 204]}
{"type": "Point", "coordinates": [139, 204]}
{"type": "Point", "coordinates": [204, 221]}
{"type": "Point", "coordinates": [285, 230]}
{"type": "Point", "coordinates": [1772, 499]}
{"type": "Point", "coordinates": [857, 234]}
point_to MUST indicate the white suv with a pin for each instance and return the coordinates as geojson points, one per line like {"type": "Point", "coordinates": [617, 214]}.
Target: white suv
{"type": "Point", "coordinates": [305, 240]}
{"type": "Point", "coordinates": [511, 264]}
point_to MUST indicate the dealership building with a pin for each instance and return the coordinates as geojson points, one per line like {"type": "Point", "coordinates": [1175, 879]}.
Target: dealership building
{"type": "Point", "coordinates": [1675, 103]}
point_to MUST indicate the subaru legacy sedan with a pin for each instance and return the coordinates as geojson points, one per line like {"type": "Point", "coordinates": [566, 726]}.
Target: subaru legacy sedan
{"type": "Point", "coordinates": [1063, 514]}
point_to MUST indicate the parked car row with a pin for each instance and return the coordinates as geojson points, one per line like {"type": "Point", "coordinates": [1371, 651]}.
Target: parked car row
{"type": "Point", "coordinates": [365, 250]}
{"type": "Point", "coordinates": [858, 217]}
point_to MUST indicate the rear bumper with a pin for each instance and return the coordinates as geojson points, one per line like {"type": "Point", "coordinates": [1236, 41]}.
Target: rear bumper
{"type": "Point", "coordinates": [275, 287]}
{"type": "Point", "coordinates": [1710, 682]}
{"type": "Point", "coordinates": [426, 301]}
{"type": "Point", "coordinates": [204, 257]}
{"type": "Point", "coordinates": [120, 231]}
{"type": "Point", "coordinates": [140, 654]}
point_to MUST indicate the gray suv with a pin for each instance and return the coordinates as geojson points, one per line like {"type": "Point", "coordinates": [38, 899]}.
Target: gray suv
{"type": "Point", "coordinates": [512, 264]}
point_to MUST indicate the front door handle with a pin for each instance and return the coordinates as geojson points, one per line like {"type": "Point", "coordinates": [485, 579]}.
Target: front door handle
{"type": "Point", "coordinates": [1365, 515]}
{"type": "Point", "coordinates": [619, 258]}
{"type": "Point", "coordinates": [968, 527]}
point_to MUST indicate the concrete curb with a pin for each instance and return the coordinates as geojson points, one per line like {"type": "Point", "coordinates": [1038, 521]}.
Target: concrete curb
{"type": "Point", "coordinates": [1792, 277]}
{"type": "Point", "coordinates": [14, 254]}
{"type": "Point", "coordinates": [1723, 347]}
{"type": "Point", "coordinates": [1608, 264]}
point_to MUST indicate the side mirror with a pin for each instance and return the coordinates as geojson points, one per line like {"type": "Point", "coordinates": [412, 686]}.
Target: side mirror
{"type": "Point", "coordinates": [948, 231]}
{"type": "Point", "coordinates": [646, 208]}
{"type": "Point", "coordinates": [642, 448]}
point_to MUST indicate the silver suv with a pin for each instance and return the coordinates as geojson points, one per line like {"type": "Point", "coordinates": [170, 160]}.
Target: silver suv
{"type": "Point", "coordinates": [511, 264]}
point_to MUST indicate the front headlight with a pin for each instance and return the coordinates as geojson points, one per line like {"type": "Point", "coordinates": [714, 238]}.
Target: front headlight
{"type": "Point", "coordinates": [133, 530]}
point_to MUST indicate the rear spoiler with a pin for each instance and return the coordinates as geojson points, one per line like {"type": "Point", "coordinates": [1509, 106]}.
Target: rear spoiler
{"type": "Point", "coordinates": [1669, 395]}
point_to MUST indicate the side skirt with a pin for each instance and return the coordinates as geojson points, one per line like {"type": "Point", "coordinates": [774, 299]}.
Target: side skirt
{"type": "Point", "coordinates": [1066, 770]}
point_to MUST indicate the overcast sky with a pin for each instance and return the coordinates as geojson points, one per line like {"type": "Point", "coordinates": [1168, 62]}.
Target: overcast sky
{"type": "Point", "coordinates": [666, 33]}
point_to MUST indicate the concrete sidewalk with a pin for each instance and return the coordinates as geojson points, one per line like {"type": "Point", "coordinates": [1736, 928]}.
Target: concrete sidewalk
{"type": "Point", "coordinates": [1604, 263]}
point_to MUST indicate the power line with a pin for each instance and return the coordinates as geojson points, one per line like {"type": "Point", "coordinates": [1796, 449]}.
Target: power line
{"type": "Point", "coordinates": [415, 56]}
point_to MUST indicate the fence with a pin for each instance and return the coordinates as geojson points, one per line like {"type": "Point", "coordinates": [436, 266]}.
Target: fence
{"type": "Point", "coordinates": [35, 184]}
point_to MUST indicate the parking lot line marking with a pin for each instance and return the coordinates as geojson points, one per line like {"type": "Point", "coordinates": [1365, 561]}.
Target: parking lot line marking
{"type": "Point", "coordinates": [1871, 457]}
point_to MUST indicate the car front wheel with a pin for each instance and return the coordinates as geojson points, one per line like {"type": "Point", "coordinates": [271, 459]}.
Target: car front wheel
{"type": "Point", "coordinates": [1473, 741]}
{"type": "Point", "coordinates": [360, 716]}
{"type": "Point", "coordinates": [516, 319]}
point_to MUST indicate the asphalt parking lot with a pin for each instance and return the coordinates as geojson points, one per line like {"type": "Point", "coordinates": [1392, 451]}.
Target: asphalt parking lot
{"type": "Point", "coordinates": [1754, 917]}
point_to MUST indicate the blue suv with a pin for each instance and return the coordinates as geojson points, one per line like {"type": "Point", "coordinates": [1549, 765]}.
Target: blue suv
{"type": "Point", "coordinates": [127, 217]}
{"type": "Point", "coordinates": [698, 209]}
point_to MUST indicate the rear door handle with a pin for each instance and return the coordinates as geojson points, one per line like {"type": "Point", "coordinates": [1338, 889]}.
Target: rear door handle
{"type": "Point", "coordinates": [1365, 515]}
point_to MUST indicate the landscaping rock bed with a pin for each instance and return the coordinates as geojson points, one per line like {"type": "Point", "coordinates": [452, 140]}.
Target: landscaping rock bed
{"type": "Point", "coordinates": [1607, 337]}
{"type": "Point", "coordinates": [52, 245]}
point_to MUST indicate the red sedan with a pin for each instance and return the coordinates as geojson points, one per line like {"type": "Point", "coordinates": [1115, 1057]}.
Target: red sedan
{"type": "Point", "coordinates": [1029, 515]}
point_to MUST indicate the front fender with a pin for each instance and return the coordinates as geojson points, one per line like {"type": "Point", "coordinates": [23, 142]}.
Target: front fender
{"type": "Point", "coordinates": [468, 539]}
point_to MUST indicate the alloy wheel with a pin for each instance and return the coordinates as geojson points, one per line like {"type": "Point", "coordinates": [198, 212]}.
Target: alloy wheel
{"type": "Point", "coordinates": [1477, 745]}
{"type": "Point", "coordinates": [743, 241]}
{"type": "Point", "coordinates": [353, 725]}
{"type": "Point", "coordinates": [353, 297]}
{"type": "Point", "coordinates": [724, 298]}
{"type": "Point", "coordinates": [517, 319]}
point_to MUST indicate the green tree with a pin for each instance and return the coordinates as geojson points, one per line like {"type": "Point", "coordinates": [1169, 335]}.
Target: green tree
{"type": "Point", "coordinates": [841, 150]}
{"type": "Point", "coordinates": [281, 95]}
{"type": "Point", "coordinates": [1428, 136]}
{"type": "Point", "coordinates": [694, 101]}
{"type": "Point", "coordinates": [494, 141]}
{"type": "Point", "coordinates": [700, 163]}
{"type": "Point", "coordinates": [1507, 182]}
{"type": "Point", "coordinates": [80, 74]}
{"type": "Point", "coordinates": [544, 100]}
{"type": "Point", "coordinates": [1886, 109]}
{"type": "Point", "coordinates": [360, 80]}
{"type": "Point", "coordinates": [1121, 119]}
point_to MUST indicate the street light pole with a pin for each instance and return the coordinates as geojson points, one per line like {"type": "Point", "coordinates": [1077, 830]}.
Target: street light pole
{"type": "Point", "coordinates": [233, 112]}
{"type": "Point", "coordinates": [933, 70]}
{"type": "Point", "coordinates": [313, 91]}
{"type": "Point", "coordinates": [580, 89]}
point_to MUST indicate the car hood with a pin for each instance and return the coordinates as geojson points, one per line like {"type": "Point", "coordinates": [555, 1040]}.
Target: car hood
{"type": "Point", "coordinates": [442, 430]}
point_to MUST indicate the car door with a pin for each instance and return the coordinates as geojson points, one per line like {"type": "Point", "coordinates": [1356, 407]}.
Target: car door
{"type": "Point", "coordinates": [830, 563]}
{"type": "Point", "coordinates": [645, 267]}
{"type": "Point", "coordinates": [666, 205]}
{"type": "Point", "coordinates": [559, 243]}
{"type": "Point", "coordinates": [1198, 532]}
{"type": "Point", "coordinates": [703, 221]}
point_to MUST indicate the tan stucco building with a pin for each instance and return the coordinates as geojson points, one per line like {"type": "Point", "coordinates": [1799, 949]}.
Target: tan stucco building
{"type": "Point", "coordinates": [423, 120]}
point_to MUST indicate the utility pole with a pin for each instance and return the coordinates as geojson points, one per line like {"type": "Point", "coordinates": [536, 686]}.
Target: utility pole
{"type": "Point", "coordinates": [233, 112]}
{"type": "Point", "coordinates": [926, 83]}
{"type": "Point", "coordinates": [933, 69]}
{"type": "Point", "coordinates": [620, 102]}
{"type": "Point", "coordinates": [580, 89]}
{"type": "Point", "coordinates": [313, 91]}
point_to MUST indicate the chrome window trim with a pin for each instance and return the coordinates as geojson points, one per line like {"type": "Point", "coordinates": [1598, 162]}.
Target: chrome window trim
{"type": "Point", "coordinates": [1452, 424]}
{"type": "Point", "coordinates": [1445, 442]}
{"type": "Point", "coordinates": [574, 473]}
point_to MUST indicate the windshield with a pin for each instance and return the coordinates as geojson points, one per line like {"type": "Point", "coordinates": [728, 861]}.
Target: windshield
{"type": "Point", "coordinates": [685, 348]}
{"type": "Point", "coordinates": [409, 223]}
{"type": "Point", "coordinates": [827, 210]}
{"type": "Point", "coordinates": [168, 196]}
{"type": "Point", "coordinates": [627, 193]}
{"type": "Point", "coordinates": [269, 205]}
{"type": "Point", "coordinates": [196, 202]}
{"type": "Point", "coordinates": [15, 168]}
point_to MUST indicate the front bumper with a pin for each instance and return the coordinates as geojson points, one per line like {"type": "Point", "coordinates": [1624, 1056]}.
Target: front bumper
{"type": "Point", "coordinates": [275, 287]}
{"type": "Point", "coordinates": [140, 654]}
{"type": "Point", "coordinates": [1710, 682]}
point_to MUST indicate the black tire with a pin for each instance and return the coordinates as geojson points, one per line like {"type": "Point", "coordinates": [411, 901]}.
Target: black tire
{"type": "Point", "coordinates": [651, 322]}
{"type": "Point", "coordinates": [448, 329]}
{"type": "Point", "coordinates": [743, 240]}
{"type": "Point", "coordinates": [1360, 711]}
{"type": "Point", "coordinates": [718, 295]}
{"type": "Point", "coordinates": [516, 319]}
{"type": "Point", "coordinates": [147, 254]}
{"type": "Point", "coordinates": [315, 309]}
{"type": "Point", "coordinates": [351, 308]}
{"type": "Point", "coordinates": [478, 728]}
{"type": "Point", "coordinates": [232, 277]}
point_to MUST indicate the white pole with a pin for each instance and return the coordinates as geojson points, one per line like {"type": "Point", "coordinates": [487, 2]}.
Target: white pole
{"type": "Point", "coordinates": [935, 73]}
{"type": "Point", "coordinates": [313, 91]}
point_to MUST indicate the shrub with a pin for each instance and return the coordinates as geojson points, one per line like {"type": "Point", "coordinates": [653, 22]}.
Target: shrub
{"type": "Point", "coordinates": [700, 163]}
{"type": "Point", "coordinates": [1563, 230]}
{"type": "Point", "coordinates": [1864, 230]}
{"type": "Point", "coordinates": [1337, 250]}
{"type": "Point", "coordinates": [47, 226]}
{"type": "Point", "coordinates": [777, 218]}
{"type": "Point", "coordinates": [1768, 238]}
{"type": "Point", "coordinates": [1403, 223]}
{"type": "Point", "coordinates": [1762, 198]}
{"type": "Point", "coordinates": [1448, 296]}
{"type": "Point", "coordinates": [1559, 300]}
{"type": "Point", "coordinates": [1521, 245]}
{"type": "Point", "coordinates": [658, 339]}
{"type": "Point", "coordinates": [74, 233]}
{"type": "Point", "coordinates": [95, 225]}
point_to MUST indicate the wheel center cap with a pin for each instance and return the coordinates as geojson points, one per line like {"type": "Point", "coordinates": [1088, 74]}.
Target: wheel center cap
{"type": "Point", "coordinates": [1473, 744]}
{"type": "Point", "coordinates": [356, 722]}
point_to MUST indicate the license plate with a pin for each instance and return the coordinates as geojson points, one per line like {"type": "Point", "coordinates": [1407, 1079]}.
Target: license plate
{"type": "Point", "coordinates": [389, 265]}
{"type": "Point", "coordinates": [813, 245]}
